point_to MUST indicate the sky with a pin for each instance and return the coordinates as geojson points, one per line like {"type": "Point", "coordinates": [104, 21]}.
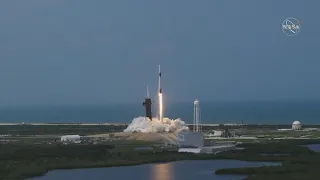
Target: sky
{"type": "Point", "coordinates": [57, 52]}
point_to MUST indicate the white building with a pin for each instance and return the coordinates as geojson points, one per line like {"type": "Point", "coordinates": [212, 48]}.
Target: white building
{"type": "Point", "coordinates": [296, 125]}
{"type": "Point", "coordinates": [215, 133]}
{"type": "Point", "coordinates": [70, 138]}
{"type": "Point", "coordinates": [190, 139]}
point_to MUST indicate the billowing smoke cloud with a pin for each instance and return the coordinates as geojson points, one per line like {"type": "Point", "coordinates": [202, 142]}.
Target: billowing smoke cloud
{"type": "Point", "coordinates": [143, 124]}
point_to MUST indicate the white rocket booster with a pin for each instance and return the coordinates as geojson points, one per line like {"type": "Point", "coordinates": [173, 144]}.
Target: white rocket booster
{"type": "Point", "coordinates": [160, 108]}
{"type": "Point", "coordinates": [159, 83]}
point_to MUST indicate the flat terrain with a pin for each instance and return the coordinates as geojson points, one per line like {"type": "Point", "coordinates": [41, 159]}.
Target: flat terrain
{"type": "Point", "coordinates": [46, 134]}
{"type": "Point", "coordinates": [19, 161]}
{"type": "Point", "coordinates": [33, 150]}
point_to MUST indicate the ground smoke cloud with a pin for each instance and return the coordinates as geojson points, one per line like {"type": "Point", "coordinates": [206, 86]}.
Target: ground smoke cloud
{"type": "Point", "coordinates": [143, 124]}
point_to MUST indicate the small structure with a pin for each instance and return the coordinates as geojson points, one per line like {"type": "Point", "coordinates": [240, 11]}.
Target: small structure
{"type": "Point", "coordinates": [226, 133]}
{"type": "Point", "coordinates": [215, 133]}
{"type": "Point", "coordinates": [73, 138]}
{"type": "Point", "coordinates": [296, 125]}
{"type": "Point", "coordinates": [190, 139]}
{"type": "Point", "coordinates": [111, 135]}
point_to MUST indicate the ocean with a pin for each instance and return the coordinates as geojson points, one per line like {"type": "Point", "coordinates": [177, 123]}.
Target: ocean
{"type": "Point", "coordinates": [211, 112]}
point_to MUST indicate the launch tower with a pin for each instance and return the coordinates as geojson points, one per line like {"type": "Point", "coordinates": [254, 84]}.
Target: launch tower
{"type": "Point", "coordinates": [147, 105]}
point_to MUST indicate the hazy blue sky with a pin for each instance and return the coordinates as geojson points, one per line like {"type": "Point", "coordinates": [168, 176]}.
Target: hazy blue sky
{"type": "Point", "coordinates": [105, 51]}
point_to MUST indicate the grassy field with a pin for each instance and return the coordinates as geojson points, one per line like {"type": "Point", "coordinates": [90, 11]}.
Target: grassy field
{"type": "Point", "coordinates": [28, 130]}
{"type": "Point", "coordinates": [282, 133]}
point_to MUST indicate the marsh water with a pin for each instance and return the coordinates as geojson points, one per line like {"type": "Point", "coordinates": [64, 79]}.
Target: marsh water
{"type": "Point", "coordinates": [181, 170]}
{"type": "Point", "coordinates": [314, 147]}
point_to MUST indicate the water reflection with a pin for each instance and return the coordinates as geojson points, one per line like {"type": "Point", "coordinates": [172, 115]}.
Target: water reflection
{"type": "Point", "coordinates": [161, 172]}
{"type": "Point", "coordinates": [182, 170]}
{"type": "Point", "coordinates": [314, 147]}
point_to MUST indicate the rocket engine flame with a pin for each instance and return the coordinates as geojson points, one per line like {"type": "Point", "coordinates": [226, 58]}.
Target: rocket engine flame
{"type": "Point", "coordinates": [158, 124]}
{"type": "Point", "coordinates": [160, 105]}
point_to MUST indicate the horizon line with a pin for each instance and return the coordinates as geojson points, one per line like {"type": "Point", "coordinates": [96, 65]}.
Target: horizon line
{"type": "Point", "coordinates": [172, 102]}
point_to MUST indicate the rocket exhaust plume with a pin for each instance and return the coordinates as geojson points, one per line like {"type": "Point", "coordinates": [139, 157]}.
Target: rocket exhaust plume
{"type": "Point", "coordinates": [160, 108]}
{"type": "Point", "coordinates": [145, 125]}
{"type": "Point", "coordinates": [157, 124]}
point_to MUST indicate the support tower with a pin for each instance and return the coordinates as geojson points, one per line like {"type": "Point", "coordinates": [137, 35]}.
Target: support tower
{"type": "Point", "coordinates": [147, 105]}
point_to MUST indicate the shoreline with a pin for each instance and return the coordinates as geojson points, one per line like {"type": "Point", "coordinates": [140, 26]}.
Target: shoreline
{"type": "Point", "coordinates": [150, 162]}
{"type": "Point", "coordinates": [188, 157]}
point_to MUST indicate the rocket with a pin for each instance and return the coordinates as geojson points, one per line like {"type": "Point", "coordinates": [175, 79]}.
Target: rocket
{"type": "Point", "coordinates": [148, 102]}
{"type": "Point", "coordinates": [159, 83]}
{"type": "Point", "coordinates": [160, 105]}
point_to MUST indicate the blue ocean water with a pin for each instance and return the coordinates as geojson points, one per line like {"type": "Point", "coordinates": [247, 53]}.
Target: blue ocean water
{"type": "Point", "coordinates": [222, 112]}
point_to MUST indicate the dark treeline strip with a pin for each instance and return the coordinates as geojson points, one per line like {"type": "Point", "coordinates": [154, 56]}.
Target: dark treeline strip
{"type": "Point", "coordinates": [301, 163]}
{"type": "Point", "coordinates": [59, 129]}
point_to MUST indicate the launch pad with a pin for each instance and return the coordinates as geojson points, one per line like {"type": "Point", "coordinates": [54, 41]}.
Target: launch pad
{"type": "Point", "coordinates": [155, 124]}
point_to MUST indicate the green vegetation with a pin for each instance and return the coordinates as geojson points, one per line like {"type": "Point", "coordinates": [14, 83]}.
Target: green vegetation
{"type": "Point", "coordinates": [27, 130]}
{"type": "Point", "coordinates": [35, 152]}
{"type": "Point", "coordinates": [275, 134]}
{"type": "Point", "coordinates": [23, 161]}
{"type": "Point", "coordinates": [255, 127]}
{"type": "Point", "coordinates": [60, 129]}
{"type": "Point", "coordinates": [298, 162]}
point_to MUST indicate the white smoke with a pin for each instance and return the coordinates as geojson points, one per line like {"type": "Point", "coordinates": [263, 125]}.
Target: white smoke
{"type": "Point", "coordinates": [145, 125]}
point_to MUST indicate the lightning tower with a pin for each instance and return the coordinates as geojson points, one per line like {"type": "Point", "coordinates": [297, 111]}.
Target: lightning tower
{"type": "Point", "coordinates": [196, 116]}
